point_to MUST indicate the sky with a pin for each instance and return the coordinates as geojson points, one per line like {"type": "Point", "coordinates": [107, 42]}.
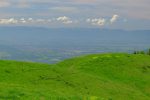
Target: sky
{"type": "Point", "coordinates": [112, 14]}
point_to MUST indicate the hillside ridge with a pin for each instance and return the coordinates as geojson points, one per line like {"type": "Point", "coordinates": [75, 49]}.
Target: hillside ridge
{"type": "Point", "coordinates": [111, 76]}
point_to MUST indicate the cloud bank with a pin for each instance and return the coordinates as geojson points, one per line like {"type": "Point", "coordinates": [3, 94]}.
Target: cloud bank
{"type": "Point", "coordinates": [137, 12]}
{"type": "Point", "coordinates": [102, 21]}
{"type": "Point", "coordinates": [61, 19]}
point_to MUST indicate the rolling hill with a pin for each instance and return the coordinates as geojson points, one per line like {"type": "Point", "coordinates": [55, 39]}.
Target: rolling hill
{"type": "Point", "coordinates": [116, 76]}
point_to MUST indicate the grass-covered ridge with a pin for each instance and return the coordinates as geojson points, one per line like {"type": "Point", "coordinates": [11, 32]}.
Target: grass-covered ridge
{"type": "Point", "coordinates": [94, 77]}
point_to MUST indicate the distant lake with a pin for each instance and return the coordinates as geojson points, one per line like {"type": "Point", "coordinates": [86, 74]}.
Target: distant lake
{"type": "Point", "coordinates": [53, 45]}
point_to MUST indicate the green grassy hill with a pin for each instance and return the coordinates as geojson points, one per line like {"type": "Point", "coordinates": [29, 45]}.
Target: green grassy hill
{"type": "Point", "coordinates": [92, 77]}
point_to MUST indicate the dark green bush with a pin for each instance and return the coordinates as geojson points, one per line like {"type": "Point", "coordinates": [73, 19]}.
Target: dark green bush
{"type": "Point", "coordinates": [142, 52]}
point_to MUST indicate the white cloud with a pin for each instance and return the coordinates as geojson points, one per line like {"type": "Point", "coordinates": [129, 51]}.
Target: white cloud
{"type": "Point", "coordinates": [27, 21]}
{"type": "Point", "coordinates": [97, 21]}
{"type": "Point", "coordinates": [65, 20]}
{"type": "Point", "coordinates": [22, 20]}
{"type": "Point", "coordinates": [114, 18]}
{"type": "Point", "coordinates": [102, 21]}
{"type": "Point", "coordinates": [13, 21]}
{"type": "Point", "coordinates": [30, 20]}
{"type": "Point", "coordinates": [8, 21]}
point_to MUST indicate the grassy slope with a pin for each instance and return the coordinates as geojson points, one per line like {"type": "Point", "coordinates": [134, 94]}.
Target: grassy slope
{"type": "Point", "coordinates": [106, 76]}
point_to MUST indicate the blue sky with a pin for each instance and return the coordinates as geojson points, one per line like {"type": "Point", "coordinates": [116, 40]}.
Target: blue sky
{"type": "Point", "coordinates": [113, 14]}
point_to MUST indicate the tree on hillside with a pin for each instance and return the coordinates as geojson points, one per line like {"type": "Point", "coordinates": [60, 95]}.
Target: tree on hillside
{"type": "Point", "coordinates": [141, 52]}
{"type": "Point", "coordinates": [135, 52]}
{"type": "Point", "coordinates": [138, 52]}
{"type": "Point", "coordinates": [148, 52]}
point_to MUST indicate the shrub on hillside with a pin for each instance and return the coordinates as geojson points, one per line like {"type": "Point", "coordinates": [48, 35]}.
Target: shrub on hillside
{"type": "Point", "coordinates": [142, 52]}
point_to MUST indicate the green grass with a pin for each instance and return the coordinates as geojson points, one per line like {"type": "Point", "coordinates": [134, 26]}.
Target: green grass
{"type": "Point", "coordinates": [91, 77]}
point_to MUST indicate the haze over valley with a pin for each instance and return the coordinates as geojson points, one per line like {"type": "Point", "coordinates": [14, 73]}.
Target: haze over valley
{"type": "Point", "coordinates": [52, 45]}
